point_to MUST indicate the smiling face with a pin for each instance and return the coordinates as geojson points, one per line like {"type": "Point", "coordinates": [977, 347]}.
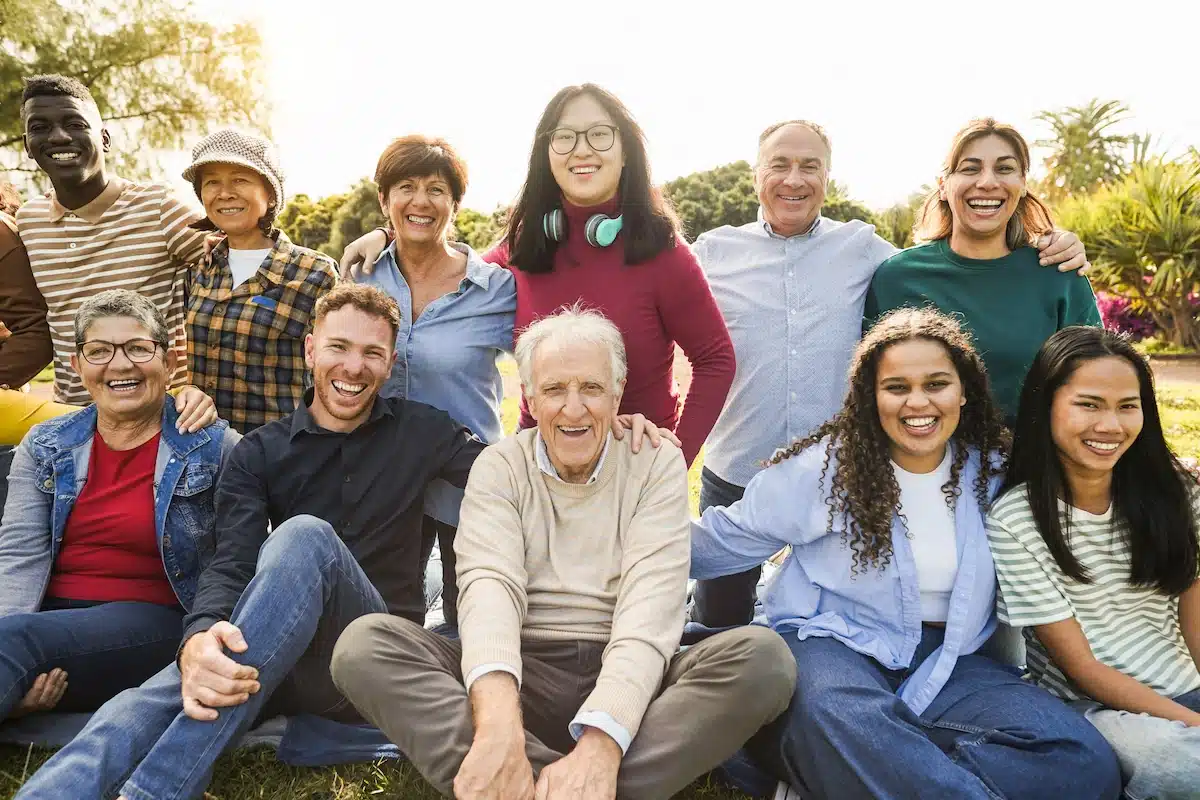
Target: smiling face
{"type": "Point", "coordinates": [573, 401]}
{"type": "Point", "coordinates": [1095, 416]}
{"type": "Point", "coordinates": [350, 353]}
{"type": "Point", "coordinates": [235, 198]}
{"type": "Point", "coordinates": [920, 398]}
{"type": "Point", "coordinates": [66, 138]}
{"type": "Point", "coordinates": [790, 178]}
{"type": "Point", "coordinates": [587, 177]}
{"type": "Point", "coordinates": [123, 389]}
{"type": "Point", "coordinates": [421, 210]}
{"type": "Point", "coordinates": [984, 188]}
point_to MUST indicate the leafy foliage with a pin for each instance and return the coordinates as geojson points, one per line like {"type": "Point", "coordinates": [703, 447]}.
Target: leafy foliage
{"type": "Point", "coordinates": [159, 75]}
{"type": "Point", "coordinates": [480, 231]}
{"type": "Point", "coordinates": [720, 196]}
{"type": "Point", "coordinates": [1084, 153]}
{"type": "Point", "coordinates": [1143, 236]}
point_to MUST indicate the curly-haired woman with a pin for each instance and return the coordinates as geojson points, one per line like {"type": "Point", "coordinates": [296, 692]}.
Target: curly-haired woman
{"type": "Point", "coordinates": [889, 591]}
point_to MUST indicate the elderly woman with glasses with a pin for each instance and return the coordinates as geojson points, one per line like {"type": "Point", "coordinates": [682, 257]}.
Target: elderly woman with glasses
{"type": "Point", "coordinates": [108, 522]}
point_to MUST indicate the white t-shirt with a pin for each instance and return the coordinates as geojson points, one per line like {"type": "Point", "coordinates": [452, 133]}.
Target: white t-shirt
{"type": "Point", "coordinates": [932, 534]}
{"type": "Point", "coordinates": [244, 263]}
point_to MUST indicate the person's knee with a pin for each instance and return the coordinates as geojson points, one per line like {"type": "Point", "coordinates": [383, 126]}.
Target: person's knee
{"type": "Point", "coordinates": [1082, 752]}
{"type": "Point", "coordinates": [355, 661]}
{"type": "Point", "coordinates": [767, 666]}
{"type": "Point", "coordinates": [302, 535]}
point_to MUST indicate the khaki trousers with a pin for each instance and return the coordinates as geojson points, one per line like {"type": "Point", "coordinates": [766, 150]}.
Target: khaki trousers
{"type": "Point", "coordinates": [408, 682]}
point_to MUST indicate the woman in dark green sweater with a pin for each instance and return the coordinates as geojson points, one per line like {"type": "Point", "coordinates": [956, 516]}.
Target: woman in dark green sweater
{"type": "Point", "coordinates": [980, 264]}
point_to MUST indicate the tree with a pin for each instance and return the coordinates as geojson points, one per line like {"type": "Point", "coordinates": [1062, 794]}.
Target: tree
{"type": "Point", "coordinates": [309, 223]}
{"type": "Point", "coordinates": [721, 196]}
{"type": "Point", "coordinates": [1084, 154]}
{"type": "Point", "coordinates": [480, 231]}
{"type": "Point", "coordinates": [1143, 236]}
{"type": "Point", "coordinates": [357, 214]}
{"type": "Point", "coordinates": [896, 223]}
{"type": "Point", "coordinates": [840, 206]}
{"type": "Point", "coordinates": [159, 75]}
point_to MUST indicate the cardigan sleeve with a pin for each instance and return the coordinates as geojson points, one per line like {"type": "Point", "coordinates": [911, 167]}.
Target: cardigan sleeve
{"type": "Point", "coordinates": [691, 318]}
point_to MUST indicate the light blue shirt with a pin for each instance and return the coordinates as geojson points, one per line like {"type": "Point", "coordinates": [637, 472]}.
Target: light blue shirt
{"type": "Point", "coordinates": [793, 306]}
{"type": "Point", "coordinates": [447, 357]}
{"type": "Point", "coordinates": [814, 593]}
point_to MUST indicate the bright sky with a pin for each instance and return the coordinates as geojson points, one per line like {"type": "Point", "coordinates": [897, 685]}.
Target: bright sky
{"type": "Point", "coordinates": [890, 81]}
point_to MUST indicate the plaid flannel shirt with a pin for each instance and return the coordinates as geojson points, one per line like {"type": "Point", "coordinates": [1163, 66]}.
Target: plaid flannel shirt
{"type": "Point", "coordinates": [246, 344]}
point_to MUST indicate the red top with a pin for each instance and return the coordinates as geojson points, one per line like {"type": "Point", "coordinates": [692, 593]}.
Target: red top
{"type": "Point", "coordinates": [110, 547]}
{"type": "Point", "coordinates": [654, 304]}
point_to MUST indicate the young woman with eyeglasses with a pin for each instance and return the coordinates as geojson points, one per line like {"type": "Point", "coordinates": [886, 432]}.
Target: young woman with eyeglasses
{"type": "Point", "coordinates": [589, 225]}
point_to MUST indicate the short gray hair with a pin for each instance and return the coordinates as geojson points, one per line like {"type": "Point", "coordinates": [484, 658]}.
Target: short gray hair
{"type": "Point", "coordinates": [121, 303]}
{"type": "Point", "coordinates": [800, 123]}
{"type": "Point", "coordinates": [570, 325]}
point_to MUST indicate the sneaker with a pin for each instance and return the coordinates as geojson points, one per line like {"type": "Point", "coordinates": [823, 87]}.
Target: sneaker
{"type": "Point", "coordinates": [785, 792]}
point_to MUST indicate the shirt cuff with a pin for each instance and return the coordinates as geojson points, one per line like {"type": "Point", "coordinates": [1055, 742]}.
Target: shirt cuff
{"type": "Point", "coordinates": [603, 721]}
{"type": "Point", "coordinates": [484, 669]}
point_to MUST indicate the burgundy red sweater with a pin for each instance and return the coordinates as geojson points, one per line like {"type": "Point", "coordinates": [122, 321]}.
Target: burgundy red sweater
{"type": "Point", "coordinates": [655, 304]}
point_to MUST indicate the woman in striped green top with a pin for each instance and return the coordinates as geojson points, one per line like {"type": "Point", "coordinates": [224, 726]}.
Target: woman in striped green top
{"type": "Point", "coordinates": [1096, 553]}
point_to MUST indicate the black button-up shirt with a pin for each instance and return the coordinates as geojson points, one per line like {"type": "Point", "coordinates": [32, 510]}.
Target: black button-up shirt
{"type": "Point", "coordinates": [368, 484]}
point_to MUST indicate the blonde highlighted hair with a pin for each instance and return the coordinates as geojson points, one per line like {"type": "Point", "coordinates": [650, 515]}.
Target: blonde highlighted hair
{"type": "Point", "coordinates": [1031, 219]}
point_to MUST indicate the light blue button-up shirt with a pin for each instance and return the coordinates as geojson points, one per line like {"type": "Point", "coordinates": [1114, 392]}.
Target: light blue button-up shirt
{"type": "Point", "coordinates": [793, 306]}
{"type": "Point", "coordinates": [814, 593]}
{"type": "Point", "coordinates": [447, 356]}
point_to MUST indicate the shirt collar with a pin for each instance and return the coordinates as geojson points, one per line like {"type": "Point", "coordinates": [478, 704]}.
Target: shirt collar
{"type": "Point", "coordinates": [93, 211]}
{"type": "Point", "coordinates": [302, 418]}
{"type": "Point", "coordinates": [767, 227]}
{"type": "Point", "coordinates": [547, 466]}
{"type": "Point", "coordinates": [479, 272]}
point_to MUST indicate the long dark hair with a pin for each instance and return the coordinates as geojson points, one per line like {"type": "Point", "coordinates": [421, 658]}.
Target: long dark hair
{"type": "Point", "coordinates": [864, 489]}
{"type": "Point", "coordinates": [1151, 490]}
{"type": "Point", "coordinates": [649, 224]}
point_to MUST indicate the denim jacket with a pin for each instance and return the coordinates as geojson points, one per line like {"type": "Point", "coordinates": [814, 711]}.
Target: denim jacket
{"type": "Point", "coordinates": [814, 593]}
{"type": "Point", "coordinates": [49, 471]}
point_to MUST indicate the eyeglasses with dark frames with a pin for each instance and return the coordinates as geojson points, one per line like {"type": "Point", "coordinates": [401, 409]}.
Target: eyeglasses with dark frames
{"type": "Point", "coordinates": [599, 137]}
{"type": "Point", "coordinates": [99, 352]}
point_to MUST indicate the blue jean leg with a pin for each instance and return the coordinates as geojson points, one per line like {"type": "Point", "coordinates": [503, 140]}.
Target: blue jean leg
{"type": "Point", "coordinates": [1018, 738]}
{"type": "Point", "coordinates": [100, 759]}
{"type": "Point", "coordinates": [728, 600]}
{"type": "Point", "coordinates": [307, 588]}
{"type": "Point", "coordinates": [848, 735]}
{"type": "Point", "coordinates": [104, 648]}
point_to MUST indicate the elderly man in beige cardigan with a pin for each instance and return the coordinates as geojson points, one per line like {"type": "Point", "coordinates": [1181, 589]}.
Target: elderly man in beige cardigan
{"type": "Point", "coordinates": [573, 555]}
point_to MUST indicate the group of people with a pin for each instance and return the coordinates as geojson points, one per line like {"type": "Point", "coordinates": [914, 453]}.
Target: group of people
{"type": "Point", "coordinates": [238, 521]}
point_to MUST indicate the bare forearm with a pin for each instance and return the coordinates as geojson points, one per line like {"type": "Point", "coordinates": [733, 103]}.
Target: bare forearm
{"type": "Point", "coordinates": [1117, 690]}
{"type": "Point", "coordinates": [1189, 620]}
{"type": "Point", "coordinates": [496, 705]}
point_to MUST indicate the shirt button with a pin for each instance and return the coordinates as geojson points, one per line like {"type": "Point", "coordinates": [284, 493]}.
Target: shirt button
{"type": "Point", "coordinates": [793, 352]}
{"type": "Point", "coordinates": [347, 479]}
{"type": "Point", "coordinates": [73, 245]}
{"type": "Point", "coordinates": [793, 395]}
{"type": "Point", "coordinates": [167, 540]}
{"type": "Point", "coordinates": [790, 273]}
{"type": "Point", "coordinates": [219, 310]}
{"type": "Point", "coordinates": [49, 484]}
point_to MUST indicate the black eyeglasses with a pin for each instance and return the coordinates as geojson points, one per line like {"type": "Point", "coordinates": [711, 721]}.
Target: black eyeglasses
{"type": "Point", "coordinates": [599, 138]}
{"type": "Point", "coordinates": [139, 351]}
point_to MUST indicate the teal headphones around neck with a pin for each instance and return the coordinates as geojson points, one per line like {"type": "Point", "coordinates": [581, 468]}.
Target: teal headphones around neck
{"type": "Point", "coordinates": [600, 231]}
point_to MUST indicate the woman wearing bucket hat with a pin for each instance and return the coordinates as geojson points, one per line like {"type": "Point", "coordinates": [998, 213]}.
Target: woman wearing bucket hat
{"type": "Point", "coordinates": [251, 301]}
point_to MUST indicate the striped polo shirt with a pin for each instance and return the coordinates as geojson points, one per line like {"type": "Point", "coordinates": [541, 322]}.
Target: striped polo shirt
{"type": "Point", "coordinates": [132, 236]}
{"type": "Point", "coordinates": [1129, 628]}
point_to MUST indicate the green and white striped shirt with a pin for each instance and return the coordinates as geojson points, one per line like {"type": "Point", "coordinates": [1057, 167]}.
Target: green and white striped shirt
{"type": "Point", "coordinates": [1129, 628]}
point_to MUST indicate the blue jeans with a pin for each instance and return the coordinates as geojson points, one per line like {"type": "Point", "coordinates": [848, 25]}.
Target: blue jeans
{"type": "Point", "coordinates": [728, 600]}
{"type": "Point", "coordinates": [1160, 758]}
{"type": "Point", "coordinates": [988, 734]}
{"type": "Point", "coordinates": [306, 589]}
{"type": "Point", "coordinates": [104, 648]}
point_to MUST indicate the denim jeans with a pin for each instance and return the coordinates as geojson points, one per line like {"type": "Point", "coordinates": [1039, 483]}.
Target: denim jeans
{"type": "Point", "coordinates": [988, 734]}
{"type": "Point", "coordinates": [6, 459]}
{"type": "Point", "coordinates": [104, 648]}
{"type": "Point", "coordinates": [1160, 758]}
{"type": "Point", "coordinates": [728, 600]}
{"type": "Point", "coordinates": [306, 589]}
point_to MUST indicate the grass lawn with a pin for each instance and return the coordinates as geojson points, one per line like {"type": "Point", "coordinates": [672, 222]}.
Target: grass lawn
{"type": "Point", "coordinates": [255, 775]}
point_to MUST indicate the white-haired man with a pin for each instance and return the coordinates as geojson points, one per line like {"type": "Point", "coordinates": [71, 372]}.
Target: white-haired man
{"type": "Point", "coordinates": [573, 554]}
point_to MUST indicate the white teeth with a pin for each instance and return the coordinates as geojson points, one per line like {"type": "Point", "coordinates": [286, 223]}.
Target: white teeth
{"type": "Point", "coordinates": [785, 197]}
{"type": "Point", "coordinates": [121, 386]}
{"type": "Point", "coordinates": [985, 203]}
{"type": "Point", "coordinates": [419, 220]}
{"type": "Point", "coordinates": [583, 170]}
{"type": "Point", "coordinates": [1105, 446]}
{"type": "Point", "coordinates": [353, 388]}
{"type": "Point", "coordinates": [64, 156]}
{"type": "Point", "coordinates": [919, 422]}
{"type": "Point", "coordinates": [228, 211]}
{"type": "Point", "coordinates": [567, 429]}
